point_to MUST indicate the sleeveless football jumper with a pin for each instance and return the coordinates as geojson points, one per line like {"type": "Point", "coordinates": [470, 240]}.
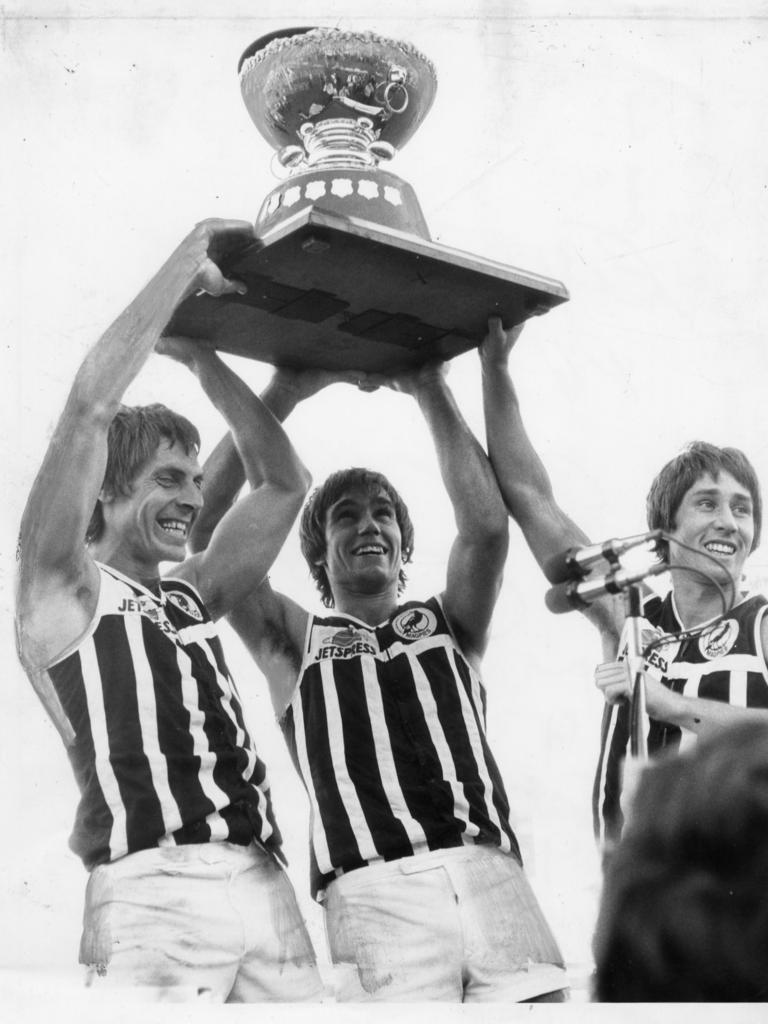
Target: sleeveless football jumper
{"type": "Point", "coordinates": [724, 662]}
{"type": "Point", "coordinates": [161, 753]}
{"type": "Point", "coordinates": [387, 731]}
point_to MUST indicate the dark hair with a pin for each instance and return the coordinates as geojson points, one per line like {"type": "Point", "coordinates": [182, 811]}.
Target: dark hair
{"type": "Point", "coordinates": [134, 436]}
{"type": "Point", "coordinates": [681, 473]}
{"type": "Point", "coordinates": [683, 914]}
{"type": "Point", "coordinates": [312, 526]}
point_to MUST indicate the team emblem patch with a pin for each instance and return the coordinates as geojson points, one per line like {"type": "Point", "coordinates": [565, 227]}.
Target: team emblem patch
{"type": "Point", "coordinates": [185, 603]}
{"type": "Point", "coordinates": [342, 643]}
{"type": "Point", "coordinates": [414, 624]}
{"type": "Point", "coordinates": [345, 637]}
{"type": "Point", "coordinates": [718, 640]}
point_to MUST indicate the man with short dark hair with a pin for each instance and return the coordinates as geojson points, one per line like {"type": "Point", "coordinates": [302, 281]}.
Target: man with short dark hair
{"type": "Point", "coordinates": [384, 712]}
{"type": "Point", "coordinates": [707, 500]}
{"type": "Point", "coordinates": [187, 897]}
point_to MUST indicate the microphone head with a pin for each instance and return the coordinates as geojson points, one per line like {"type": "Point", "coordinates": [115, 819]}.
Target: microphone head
{"type": "Point", "coordinates": [560, 567]}
{"type": "Point", "coordinates": [562, 598]}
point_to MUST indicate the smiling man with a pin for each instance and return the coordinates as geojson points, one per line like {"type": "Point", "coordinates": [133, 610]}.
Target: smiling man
{"type": "Point", "coordinates": [186, 896]}
{"type": "Point", "coordinates": [707, 500]}
{"type": "Point", "coordinates": [412, 852]}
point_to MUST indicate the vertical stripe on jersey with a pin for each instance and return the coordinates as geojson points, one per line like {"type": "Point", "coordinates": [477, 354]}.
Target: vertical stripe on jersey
{"type": "Point", "coordinates": [738, 689]}
{"type": "Point", "coordinates": [442, 749]}
{"type": "Point", "coordinates": [175, 686]}
{"type": "Point", "coordinates": [346, 788]}
{"type": "Point", "coordinates": [714, 686]}
{"type": "Point", "coordinates": [148, 723]}
{"type": "Point", "coordinates": [480, 751]}
{"type": "Point", "coordinates": [231, 707]}
{"type": "Point", "coordinates": [385, 757]}
{"type": "Point", "coordinates": [606, 810]}
{"type": "Point", "coordinates": [468, 759]}
{"type": "Point", "coordinates": [319, 842]}
{"type": "Point", "coordinates": [121, 705]}
{"type": "Point", "coordinates": [94, 697]}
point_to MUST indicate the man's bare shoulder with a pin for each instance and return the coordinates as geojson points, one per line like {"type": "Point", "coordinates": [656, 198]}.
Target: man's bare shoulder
{"type": "Point", "coordinates": [53, 611]}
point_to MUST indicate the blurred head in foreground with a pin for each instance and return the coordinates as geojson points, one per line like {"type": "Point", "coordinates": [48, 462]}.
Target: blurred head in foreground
{"type": "Point", "coordinates": [684, 911]}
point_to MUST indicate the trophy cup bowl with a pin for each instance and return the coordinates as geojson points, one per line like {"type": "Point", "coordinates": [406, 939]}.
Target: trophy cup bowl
{"type": "Point", "coordinates": [328, 100]}
{"type": "Point", "coordinates": [308, 75]}
{"type": "Point", "coordinates": [345, 275]}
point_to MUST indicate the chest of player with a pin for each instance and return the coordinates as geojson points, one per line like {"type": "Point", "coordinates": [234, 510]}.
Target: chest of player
{"type": "Point", "coordinates": [411, 659]}
{"type": "Point", "coordinates": [724, 663]}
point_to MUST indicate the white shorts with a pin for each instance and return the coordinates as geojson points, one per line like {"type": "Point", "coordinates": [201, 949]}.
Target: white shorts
{"type": "Point", "coordinates": [461, 925]}
{"type": "Point", "coordinates": [213, 921]}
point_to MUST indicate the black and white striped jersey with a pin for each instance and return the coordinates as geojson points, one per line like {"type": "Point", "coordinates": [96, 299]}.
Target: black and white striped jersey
{"type": "Point", "coordinates": [387, 730]}
{"type": "Point", "coordinates": [724, 662]}
{"type": "Point", "coordinates": [161, 753]}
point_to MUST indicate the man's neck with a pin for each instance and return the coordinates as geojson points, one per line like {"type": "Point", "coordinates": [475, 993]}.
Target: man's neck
{"type": "Point", "coordinates": [147, 574]}
{"type": "Point", "coordinates": [370, 608]}
{"type": "Point", "coordinates": [697, 603]}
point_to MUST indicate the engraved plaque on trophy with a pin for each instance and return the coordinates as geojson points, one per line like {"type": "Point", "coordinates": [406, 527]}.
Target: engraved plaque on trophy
{"type": "Point", "coordinates": [345, 274]}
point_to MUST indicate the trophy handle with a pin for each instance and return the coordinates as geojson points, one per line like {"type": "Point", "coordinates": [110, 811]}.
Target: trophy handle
{"type": "Point", "coordinates": [395, 86]}
{"type": "Point", "coordinates": [382, 150]}
{"type": "Point", "coordinates": [286, 160]}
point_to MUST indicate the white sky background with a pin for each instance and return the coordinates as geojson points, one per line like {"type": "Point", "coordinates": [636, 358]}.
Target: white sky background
{"type": "Point", "coordinates": [621, 149]}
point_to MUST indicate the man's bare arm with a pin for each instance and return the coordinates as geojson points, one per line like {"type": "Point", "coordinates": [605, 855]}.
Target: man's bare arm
{"type": "Point", "coordinates": [699, 715]}
{"type": "Point", "coordinates": [476, 561]}
{"type": "Point", "coordinates": [58, 582]}
{"type": "Point", "coordinates": [224, 473]}
{"type": "Point", "coordinates": [524, 482]}
{"type": "Point", "coordinates": [273, 629]}
{"type": "Point", "coordinates": [249, 536]}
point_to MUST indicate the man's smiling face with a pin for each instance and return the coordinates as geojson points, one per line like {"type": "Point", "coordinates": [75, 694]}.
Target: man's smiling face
{"type": "Point", "coordinates": [715, 516]}
{"type": "Point", "coordinates": [152, 523]}
{"type": "Point", "coordinates": [363, 542]}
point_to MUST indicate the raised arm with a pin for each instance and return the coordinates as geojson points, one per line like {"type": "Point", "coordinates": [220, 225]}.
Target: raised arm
{"type": "Point", "coordinates": [58, 581]}
{"type": "Point", "coordinates": [250, 533]}
{"type": "Point", "coordinates": [476, 561]}
{"type": "Point", "coordinates": [524, 482]}
{"type": "Point", "coordinates": [270, 624]}
{"type": "Point", "coordinates": [224, 472]}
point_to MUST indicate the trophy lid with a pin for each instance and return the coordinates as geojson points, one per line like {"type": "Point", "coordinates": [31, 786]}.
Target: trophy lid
{"type": "Point", "coordinates": [297, 76]}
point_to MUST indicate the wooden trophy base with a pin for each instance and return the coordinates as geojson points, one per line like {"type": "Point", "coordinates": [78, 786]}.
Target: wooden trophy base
{"type": "Point", "coordinates": [337, 292]}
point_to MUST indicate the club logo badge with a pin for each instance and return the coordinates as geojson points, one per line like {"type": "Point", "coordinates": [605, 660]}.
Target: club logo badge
{"type": "Point", "coordinates": [718, 640]}
{"type": "Point", "coordinates": [185, 603]}
{"type": "Point", "coordinates": [414, 624]}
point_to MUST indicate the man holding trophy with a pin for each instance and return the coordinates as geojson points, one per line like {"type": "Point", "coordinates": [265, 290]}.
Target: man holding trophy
{"type": "Point", "coordinates": [382, 706]}
{"type": "Point", "coordinates": [187, 897]}
{"type": "Point", "coordinates": [412, 852]}
{"type": "Point", "coordinates": [381, 702]}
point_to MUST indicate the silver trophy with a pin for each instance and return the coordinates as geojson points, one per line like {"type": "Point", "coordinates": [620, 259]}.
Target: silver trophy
{"type": "Point", "coordinates": [344, 274]}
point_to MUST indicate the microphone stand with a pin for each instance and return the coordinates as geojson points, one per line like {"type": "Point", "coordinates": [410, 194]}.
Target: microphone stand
{"type": "Point", "coordinates": [638, 741]}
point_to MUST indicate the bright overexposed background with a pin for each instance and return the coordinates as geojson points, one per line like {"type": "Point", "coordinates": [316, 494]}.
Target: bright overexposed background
{"type": "Point", "coordinates": [618, 147]}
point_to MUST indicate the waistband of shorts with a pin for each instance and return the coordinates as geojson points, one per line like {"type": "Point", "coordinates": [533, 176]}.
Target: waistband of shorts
{"type": "Point", "coordinates": [422, 859]}
{"type": "Point", "coordinates": [233, 856]}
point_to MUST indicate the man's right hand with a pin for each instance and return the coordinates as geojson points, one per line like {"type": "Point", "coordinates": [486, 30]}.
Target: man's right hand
{"type": "Point", "coordinates": [612, 678]}
{"type": "Point", "coordinates": [498, 343]}
{"type": "Point", "coordinates": [204, 247]}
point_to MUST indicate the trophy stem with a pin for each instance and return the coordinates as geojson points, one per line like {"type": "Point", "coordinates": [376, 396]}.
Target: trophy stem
{"type": "Point", "coordinates": [340, 142]}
